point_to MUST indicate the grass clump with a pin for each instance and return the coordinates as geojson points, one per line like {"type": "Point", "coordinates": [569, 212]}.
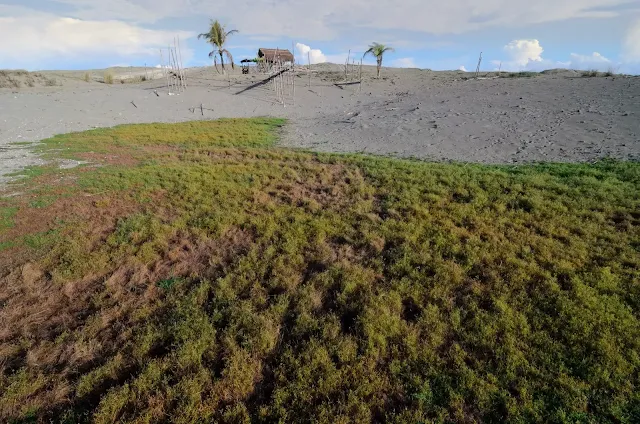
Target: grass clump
{"type": "Point", "coordinates": [108, 78]}
{"type": "Point", "coordinates": [523, 74]}
{"type": "Point", "coordinates": [590, 74]}
{"type": "Point", "coordinates": [86, 77]}
{"type": "Point", "coordinates": [202, 274]}
{"type": "Point", "coordinates": [51, 82]}
{"type": "Point", "coordinates": [6, 216]}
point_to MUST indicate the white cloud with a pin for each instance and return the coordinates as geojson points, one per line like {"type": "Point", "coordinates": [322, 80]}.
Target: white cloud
{"type": "Point", "coordinates": [37, 38]}
{"type": "Point", "coordinates": [404, 62]}
{"type": "Point", "coordinates": [632, 43]}
{"type": "Point", "coordinates": [463, 69]}
{"type": "Point", "coordinates": [526, 55]}
{"type": "Point", "coordinates": [306, 53]}
{"type": "Point", "coordinates": [592, 61]}
{"type": "Point", "coordinates": [521, 52]}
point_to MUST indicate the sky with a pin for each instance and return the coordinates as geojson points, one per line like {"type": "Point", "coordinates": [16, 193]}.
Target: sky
{"type": "Point", "coordinates": [513, 35]}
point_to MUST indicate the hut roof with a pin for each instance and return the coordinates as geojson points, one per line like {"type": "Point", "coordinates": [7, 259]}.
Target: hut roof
{"type": "Point", "coordinates": [276, 54]}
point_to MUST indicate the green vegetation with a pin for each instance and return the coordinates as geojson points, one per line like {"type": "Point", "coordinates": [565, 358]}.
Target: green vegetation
{"type": "Point", "coordinates": [202, 274]}
{"type": "Point", "coordinates": [108, 78]}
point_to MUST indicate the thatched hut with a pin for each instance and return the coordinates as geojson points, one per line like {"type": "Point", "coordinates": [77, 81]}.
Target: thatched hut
{"type": "Point", "coordinates": [275, 55]}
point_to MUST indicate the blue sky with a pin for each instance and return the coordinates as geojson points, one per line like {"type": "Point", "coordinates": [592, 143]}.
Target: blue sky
{"type": "Point", "coordinates": [436, 34]}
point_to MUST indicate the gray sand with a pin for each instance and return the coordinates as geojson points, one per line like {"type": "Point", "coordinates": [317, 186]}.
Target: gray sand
{"type": "Point", "coordinates": [559, 117]}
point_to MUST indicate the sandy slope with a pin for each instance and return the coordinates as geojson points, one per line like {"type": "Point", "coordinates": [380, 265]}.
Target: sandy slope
{"type": "Point", "coordinates": [408, 112]}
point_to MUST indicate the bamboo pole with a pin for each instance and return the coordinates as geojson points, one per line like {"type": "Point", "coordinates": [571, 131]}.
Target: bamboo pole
{"type": "Point", "coordinates": [361, 75]}
{"type": "Point", "coordinates": [177, 67]}
{"type": "Point", "coordinates": [346, 66]}
{"type": "Point", "coordinates": [171, 69]}
{"type": "Point", "coordinates": [273, 66]}
{"type": "Point", "coordinates": [179, 63]}
{"type": "Point", "coordinates": [183, 87]}
{"type": "Point", "coordinates": [276, 62]}
{"type": "Point", "coordinates": [176, 71]}
{"type": "Point", "coordinates": [281, 81]}
{"type": "Point", "coordinates": [184, 77]}
{"type": "Point", "coordinates": [478, 68]}
{"type": "Point", "coordinates": [309, 67]}
{"type": "Point", "coordinates": [293, 85]}
{"type": "Point", "coordinates": [165, 74]}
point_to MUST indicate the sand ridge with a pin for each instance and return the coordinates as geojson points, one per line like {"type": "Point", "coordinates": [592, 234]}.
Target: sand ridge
{"type": "Point", "coordinates": [557, 116]}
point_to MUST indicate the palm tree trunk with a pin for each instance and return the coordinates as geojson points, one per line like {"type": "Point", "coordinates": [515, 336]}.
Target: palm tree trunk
{"type": "Point", "coordinates": [379, 66]}
{"type": "Point", "coordinates": [221, 60]}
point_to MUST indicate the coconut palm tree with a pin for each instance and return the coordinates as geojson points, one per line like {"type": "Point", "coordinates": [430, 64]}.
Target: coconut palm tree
{"type": "Point", "coordinates": [217, 36]}
{"type": "Point", "coordinates": [378, 50]}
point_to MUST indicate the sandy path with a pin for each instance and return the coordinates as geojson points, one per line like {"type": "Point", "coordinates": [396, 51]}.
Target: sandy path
{"type": "Point", "coordinates": [409, 113]}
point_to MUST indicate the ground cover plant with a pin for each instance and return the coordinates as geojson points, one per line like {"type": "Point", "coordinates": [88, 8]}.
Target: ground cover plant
{"type": "Point", "coordinates": [195, 272]}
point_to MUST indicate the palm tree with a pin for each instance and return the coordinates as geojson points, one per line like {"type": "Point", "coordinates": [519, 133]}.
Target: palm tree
{"type": "Point", "coordinates": [217, 36]}
{"type": "Point", "coordinates": [378, 50]}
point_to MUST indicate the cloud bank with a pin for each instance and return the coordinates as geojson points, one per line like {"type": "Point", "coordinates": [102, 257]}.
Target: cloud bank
{"type": "Point", "coordinates": [41, 38]}
{"type": "Point", "coordinates": [632, 43]}
{"type": "Point", "coordinates": [322, 20]}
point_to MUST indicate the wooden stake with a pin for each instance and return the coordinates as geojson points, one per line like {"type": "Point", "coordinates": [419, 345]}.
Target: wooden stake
{"type": "Point", "coordinates": [176, 69]}
{"type": "Point", "coordinates": [478, 68]}
{"type": "Point", "coordinates": [164, 71]}
{"type": "Point", "coordinates": [346, 66]}
{"type": "Point", "coordinates": [353, 68]}
{"type": "Point", "coordinates": [309, 68]}
{"type": "Point", "coordinates": [184, 76]}
{"type": "Point", "coordinates": [360, 76]}
{"type": "Point", "coordinates": [178, 65]}
{"type": "Point", "coordinates": [170, 67]}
